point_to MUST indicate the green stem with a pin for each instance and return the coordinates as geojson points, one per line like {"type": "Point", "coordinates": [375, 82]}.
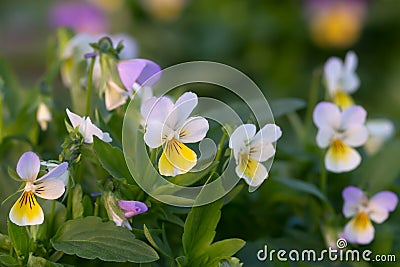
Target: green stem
{"type": "Point", "coordinates": [323, 178]}
{"type": "Point", "coordinates": [297, 125]}
{"type": "Point", "coordinates": [313, 98]}
{"type": "Point", "coordinates": [220, 149]}
{"type": "Point", "coordinates": [89, 86]}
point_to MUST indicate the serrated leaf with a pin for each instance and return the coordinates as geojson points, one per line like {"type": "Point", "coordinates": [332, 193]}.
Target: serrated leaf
{"type": "Point", "coordinates": [19, 238]}
{"type": "Point", "coordinates": [90, 238]}
{"type": "Point", "coordinates": [199, 230]}
{"type": "Point", "coordinates": [41, 262]}
{"type": "Point", "coordinates": [284, 106]}
{"type": "Point", "coordinates": [302, 186]}
{"type": "Point", "coordinates": [8, 261]}
{"type": "Point", "coordinates": [111, 159]}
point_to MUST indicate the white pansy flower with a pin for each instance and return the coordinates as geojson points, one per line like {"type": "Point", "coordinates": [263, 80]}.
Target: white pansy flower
{"type": "Point", "coordinates": [250, 149]}
{"type": "Point", "coordinates": [169, 125]}
{"type": "Point", "coordinates": [87, 128]}
{"type": "Point", "coordinates": [26, 210]}
{"type": "Point", "coordinates": [43, 116]}
{"type": "Point", "coordinates": [340, 131]}
{"type": "Point", "coordinates": [359, 229]}
{"type": "Point", "coordinates": [380, 130]}
{"type": "Point", "coordinates": [341, 79]}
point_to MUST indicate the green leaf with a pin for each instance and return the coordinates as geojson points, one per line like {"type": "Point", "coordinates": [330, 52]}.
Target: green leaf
{"type": "Point", "coordinates": [224, 249]}
{"type": "Point", "coordinates": [90, 238]}
{"type": "Point", "coordinates": [13, 174]}
{"type": "Point", "coordinates": [41, 262]}
{"type": "Point", "coordinates": [302, 186]}
{"type": "Point", "coordinates": [77, 207]}
{"type": "Point", "coordinates": [19, 238]}
{"type": "Point", "coordinates": [5, 242]}
{"type": "Point", "coordinates": [199, 230]}
{"type": "Point", "coordinates": [7, 260]}
{"type": "Point", "coordinates": [284, 106]}
{"type": "Point", "coordinates": [157, 243]}
{"type": "Point", "coordinates": [112, 159]}
{"type": "Point", "coordinates": [192, 177]}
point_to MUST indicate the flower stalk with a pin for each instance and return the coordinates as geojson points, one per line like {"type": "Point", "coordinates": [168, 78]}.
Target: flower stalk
{"type": "Point", "coordinates": [90, 86]}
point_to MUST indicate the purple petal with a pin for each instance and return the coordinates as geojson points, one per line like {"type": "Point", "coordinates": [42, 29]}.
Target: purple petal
{"type": "Point", "coordinates": [353, 198]}
{"type": "Point", "coordinates": [56, 172]}
{"type": "Point", "coordinates": [138, 71]}
{"type": "Point", "coordinates": [385, 199]}
{"type": "Point", "coordinates": [132, 208]}
{"type": "Point", "coordinates": [28, 166]}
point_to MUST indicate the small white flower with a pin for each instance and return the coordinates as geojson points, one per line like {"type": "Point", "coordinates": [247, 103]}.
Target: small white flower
{"type": "Point", "coordinates": [341, 79]}
{"type": "Point", "coordinates": [87, 128]}
{"type": "Point", "coordinates": [380, 130]}
{"type": "Point", "coordinates": [169, 124]}
{"type": "Point", "coordinates": [43, 116]}
{"type": "Point", "coordinates": [340, 131]}
{"type": "Point", "coordinates": [356, 204]}
{"type": "Point", "coordinates": [26, 210]}
{"type": "Point", "coordinates": [250, 149]}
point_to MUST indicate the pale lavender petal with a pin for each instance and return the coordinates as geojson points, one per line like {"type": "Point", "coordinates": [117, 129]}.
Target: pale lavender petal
{"type": "Point", "coordinates": [381, 204]}
{"type": "Point", "coordinates": [352, 116]}
{"type": "Point", "coordinates": [28, 166]}
{"type": "Point", "coordinates": [353, 198]}
{"type": "Point", "coordinates": [55, 173]}
{"type": "Point", "coordinates": [132, 208]}
{"type": "Point", "coordinates": [138, 71]}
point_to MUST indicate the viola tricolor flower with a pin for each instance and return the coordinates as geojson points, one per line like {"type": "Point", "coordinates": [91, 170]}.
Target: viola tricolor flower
{"type": "Point", "coordinates": [356, 204]}
{"type": "Point", "coordinates": [250, 149]}
{"type": "Point", "coordinates": [132, 208]}
{"type": "Point", "coordinates": [340, 131]}
{"type": "Point", "coordinates": [87, 128]}
{"type": "Point", "coordinates": [43, 116]}
{"type": "Point", "coordinates": [169, 124]}
{"type": "Point", "coordinates": [133, 74]}
{"type": "Point", "coordinates": [26, 211]}
{"type": "Point", "coordinates": [341, 79]}
{"type": "Point", "coordinates": [380, 130]}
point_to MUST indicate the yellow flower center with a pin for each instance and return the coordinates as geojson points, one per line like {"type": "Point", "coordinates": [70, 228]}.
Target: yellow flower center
{"type": "Point", "coordinates": [362, 220]}
{"type": "Point", "coordinates": [342, 99]}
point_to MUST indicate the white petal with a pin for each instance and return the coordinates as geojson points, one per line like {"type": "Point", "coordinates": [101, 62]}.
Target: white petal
{"type": "Point", "coordinates": [261, 151]}
{"type": "Point", "coordinates": [241, 136]}
{"type": "Point", "coordinates": [56, 172]}
{"type": "Point", "coordinates": [43, 116]}
{"type": "Point", "coordinates": [156, 109]}
{"type": "Point", "coordinates": [182, 109]}
{"type": "Point", "coordinates": [75, 119]}
{"type": "Point", "coordinates": [382, 128]}
{"type": "Point", "coordinates": [355, 233]}
{"type": "Point", "coordinates": [91, 130]}
{"type": "Point", "coordinates": [349, 83]}
{"type": "Point", "coordinates": [50, 188]}
{"type": "Point", "coordinates": [28, 166]}
{"type": "Point", "coordinates": [353, 199]}
{"type": "Point", "coordinates": [341, 158]}
{"type": "Point", "coordinates": [351, 61]}
{"type": "Point", "coordinates": [324, 137]}
{"type": "Point", "coordinates": [327, 115]}
{"type": "Point", "coordinates": [106, 138]}
{"type": "Point", "coordinates": [193, 130]}
{"type": "Point", "coordinates": [354, 115]}
{"type": "Point", "coordinates": [332, 72]}
{"type": "Point", "coordinates": [114, 96]}
{"type": "Point", "coordinates": [355, 135]}
{"type": "Point", "coordinates": [381, 204]}
{"type": "Point", "coordinates": [156, 133]}
{"type": "Point", "coordinates": [268, 134]}
{"type": "Point", "coordinates": [254, 182]}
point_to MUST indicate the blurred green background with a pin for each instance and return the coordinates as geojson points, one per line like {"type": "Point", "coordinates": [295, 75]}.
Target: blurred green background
{"type": "Point", "coordinates": [279, 44]}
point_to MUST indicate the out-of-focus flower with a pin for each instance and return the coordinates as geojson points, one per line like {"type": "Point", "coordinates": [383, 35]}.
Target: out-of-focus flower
{"type": "Point", "coordinates": [168, 123]}
{"type": "Point", "coordinates": [356, 204]}
{"type": "Point", "coordinates": [164, 10]}
{"type": "Point", "coordinates": [133, 73]}
{"type": "Point", "coordinates": [26, 210]}
{"type": "Point", "coordinates": [380, 130]}
{"type": "Point", "coordinates": [43, 116]}
{"type": "Point", "coordinates": [250, 149]}
{"type": "Point", "coordinates": [87, 128]}
{"type": "Point", "coordinates": [341, 79]}
{"type": "Point", "coordinates": [50, 165]}
{"type": "Point", "coordinates": [341, 131]}
{"type": "Point", "coordinates": [336, 23]}
{"type": "Point", "coordinates": [82, 17]}
{"type": "Point", "coordinates": [132, 208]}
{"type": "Point", "coordinates": [107, 5]}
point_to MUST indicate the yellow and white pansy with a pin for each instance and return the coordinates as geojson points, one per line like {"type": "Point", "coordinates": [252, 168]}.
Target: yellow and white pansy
{"type": "Point", "coordinates": [340, 131]}
{"type": "Point", "coordinates": [26, 210]}
{"type": "Point", "coordinates": [380, 130]}
{"type": "Point", "coordinates": [341, 79]}
{"type": "Point", "coordinates": [169, 125]}
{"type": "Point", "coordinates": [250, 149]}
{"type": "Point", "coordinates": [359, 229]}
{"type": "Point", "coordinates": [87, 128]}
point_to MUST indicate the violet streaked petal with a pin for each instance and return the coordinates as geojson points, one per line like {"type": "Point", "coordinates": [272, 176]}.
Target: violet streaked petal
{"type": "Point", "coordinates": [28, 166]}
{"type": "Point", "coordinates": [353, 198]}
